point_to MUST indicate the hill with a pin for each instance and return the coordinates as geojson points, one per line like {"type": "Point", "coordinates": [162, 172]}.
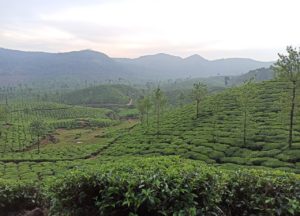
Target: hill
{"type": "Point", "coordinates": [90, 164]}
{"type": "Point", "coordinates": [26, 67]}
{"type": "Point", "coordinates": [166, 66]}
{"type": "Point", "coordinates": [217, 135]}
{"type": "Point", "coordinates": [18, 66]}
{"type": "Point", "coordinates": [102, 95]}
{"type": "Point", "coordinates": [260, 74]}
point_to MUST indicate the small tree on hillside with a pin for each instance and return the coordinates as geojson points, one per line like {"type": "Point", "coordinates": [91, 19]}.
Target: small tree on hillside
{"type": "Point", "coordinates": [148, 106]}
{"type": "Point", "coordinates": [215, 104]}
{"type": "Point", "coordinates": [144, 105]}
{"type": "Point", "coordinates": [38, 128]}
{"type": "Point", "coordinates": [181, 98]}
{"type": "Point", "coordinates": [198, 93]}
{"type": "Point", "coordinates": [158, 102]}
{"type": "Point", "coordinates": [287, 68]}
{"type": "Point", "coordinates": [142, 109]}
{"type": "Point", "coordinates": [246, 100]}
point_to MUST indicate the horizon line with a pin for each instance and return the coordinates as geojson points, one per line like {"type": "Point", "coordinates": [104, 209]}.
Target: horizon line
{"type": "Point", "coordinates": [145, 55]}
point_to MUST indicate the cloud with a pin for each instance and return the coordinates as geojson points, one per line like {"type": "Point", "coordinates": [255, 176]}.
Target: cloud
{"type": "Point", "coordinates": [232, 28]}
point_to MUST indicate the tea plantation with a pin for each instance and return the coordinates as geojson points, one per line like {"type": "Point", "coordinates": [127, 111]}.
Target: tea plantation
{"type": "Point", "coordinates": [231, 159]}
{"type": "Point", "coordinates": [217, 135]}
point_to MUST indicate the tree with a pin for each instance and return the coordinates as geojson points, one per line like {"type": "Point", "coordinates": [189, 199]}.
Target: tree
{"type": "Point", "coordinates": [148, 106]}
{"type": "Point", "coordinates": [287, 68]}
{"type": "Point", "coordinates": [226, 80]}
{"type": "Point", "coordinates": [215, 104]}
{"type": "Point", "coordinates": [159, 101]}
{"type": "Point", "coordinates": [198, 93]}
{"type": "Point", "coordinates": [144, 105]}
{"type": "Point", "coordinates": [181, 98]}
{"type": "Point", "coordinates": [38, 128]}
{"type": "Point", "coordinates": [142, 109]}
{"type": "Point", "coordinates": [246, 99]}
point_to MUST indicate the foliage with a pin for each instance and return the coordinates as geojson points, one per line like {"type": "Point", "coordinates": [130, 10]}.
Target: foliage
{"type": "Point", "coordinates": [16, 196]}
{"type": "Point", "coordinates": [159, 103]}
{"type": "Point", "coordinates": [38, 128]}
{"type": "Point", "coordinates": [172, 186]}
{"type": "Point", "coordinates": [198, 93]}
{"type": "Point", "coordinates": [102, 94]}
{"type": "Point", "coordinates": [287, 68]}
{"type": "Point", "coordinates": [246, 100]}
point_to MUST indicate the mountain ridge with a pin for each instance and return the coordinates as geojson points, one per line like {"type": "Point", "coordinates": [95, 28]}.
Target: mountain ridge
{"type": "Point", "coordinates": [22, 66]}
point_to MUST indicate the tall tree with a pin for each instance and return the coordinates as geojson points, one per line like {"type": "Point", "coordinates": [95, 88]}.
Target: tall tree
{"type": "Point", "coordinates": [246, 100]}
{"type": "Point", "coordinates": [142, 108]}
{"type": "Point", "coordinates": [287, 68]}
{"type": "Point", "coordinates": [148, 106]}
{"type": "Point", "coordinates": [181, 98]}
{"type": "Point", "coordinates": [198, 93]}
{"type": "Point", "coordinates": [38, 128]}
{"type": "Point", "coordinates": [215, 104]}
{"type": "Point", "coordinates": [158, 102]}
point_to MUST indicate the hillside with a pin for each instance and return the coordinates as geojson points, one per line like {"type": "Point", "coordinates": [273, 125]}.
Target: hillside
{"type": "Point", "coordinates": [260, 74]}
{"type": "Point", "coordinates": [28, 67]}
{"type": "Point", "coordinates": [90, 164]}
{"type": "Point", "coordinates": [21, 67]}
{"type": "Point", "coordinates": [216, 136]}
{"type": "Point", "coordinates": [102, 95]}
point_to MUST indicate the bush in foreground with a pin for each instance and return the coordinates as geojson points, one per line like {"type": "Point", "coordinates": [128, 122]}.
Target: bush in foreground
{"type": "Point", "coordinates": [172, 186]}
{"type": "Point", "coordinates": [160, 186]}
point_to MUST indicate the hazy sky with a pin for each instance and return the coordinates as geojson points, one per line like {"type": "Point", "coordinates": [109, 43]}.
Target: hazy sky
{"type": "Point", "coordinates": [256, 29]}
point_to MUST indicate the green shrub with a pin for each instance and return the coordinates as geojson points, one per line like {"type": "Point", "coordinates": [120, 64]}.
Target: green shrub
{"type": "Point", "coordinates": [257, 192]}
{"type": "Point", "coordinates": [16, 196]}
{"type": "Point", "coordinates": [173, 186]}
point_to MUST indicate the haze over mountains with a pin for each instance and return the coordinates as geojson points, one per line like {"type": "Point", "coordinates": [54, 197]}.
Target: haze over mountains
{"type": "Point", "coordinates": [19, 66]}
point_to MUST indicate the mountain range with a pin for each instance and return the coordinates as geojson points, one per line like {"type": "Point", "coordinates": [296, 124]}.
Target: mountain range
{"type": "Point", "coordinates": [21, 66]}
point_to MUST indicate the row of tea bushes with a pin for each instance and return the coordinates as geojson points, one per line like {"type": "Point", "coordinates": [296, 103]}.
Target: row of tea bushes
{"type": "Point", "coordinates": [160, 186]}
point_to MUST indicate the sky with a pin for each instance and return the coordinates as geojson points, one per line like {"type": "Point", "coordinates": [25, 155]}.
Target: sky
{"type": "Point", "coordinates": [214, 29]}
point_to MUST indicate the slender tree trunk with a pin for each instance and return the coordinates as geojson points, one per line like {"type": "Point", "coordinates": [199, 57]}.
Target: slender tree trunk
{"type": "Point", "coordinates": [245, 128]}
{"type": "Point", "coordinates": [158, 118]}
{"type": "Point", "coordinates": [197, 109]}
{"type": "Point", "coordinates": [38, 144]}
{"type": "Point", "coordinates": [147, 116]}
{"type": "Point", "coordinates": [292, 115]}
{"type": "Point", "coordinates": [214, 132]}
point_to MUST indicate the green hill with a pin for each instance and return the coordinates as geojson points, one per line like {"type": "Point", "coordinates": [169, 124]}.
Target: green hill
{"type": "Point", "coordinates": [102, 95]}
{"type": "Point", "coordinates": [216, 136]}
{"type": "Point", "coordinates": [114, 170]}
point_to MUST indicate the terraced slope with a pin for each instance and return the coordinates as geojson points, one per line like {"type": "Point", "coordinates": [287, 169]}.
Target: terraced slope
{"type": "Point", "coordinates": [216, 136]}
{"type": "Point", "coordinates": [15, 134]}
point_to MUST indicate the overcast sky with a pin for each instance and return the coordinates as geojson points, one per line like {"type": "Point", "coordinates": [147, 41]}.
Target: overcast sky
{"type": "Point", "coordinates": [214, 29]}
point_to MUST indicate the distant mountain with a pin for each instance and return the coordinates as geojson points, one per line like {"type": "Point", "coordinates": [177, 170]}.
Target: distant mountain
{"type": "Point", "coordinates": [19, 66]}
{"type": "Point", "coordinates": [168, 66]}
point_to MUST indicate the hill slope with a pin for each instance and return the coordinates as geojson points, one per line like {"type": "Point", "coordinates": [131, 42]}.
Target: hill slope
{"type": "Point", "coordinates": [101, 95]}
{"type": "Point", "coordinates": [216, 136]}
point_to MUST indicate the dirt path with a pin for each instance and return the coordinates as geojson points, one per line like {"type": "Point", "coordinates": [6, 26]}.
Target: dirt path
{"type": "Point", "coordinates": [130, 102]}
